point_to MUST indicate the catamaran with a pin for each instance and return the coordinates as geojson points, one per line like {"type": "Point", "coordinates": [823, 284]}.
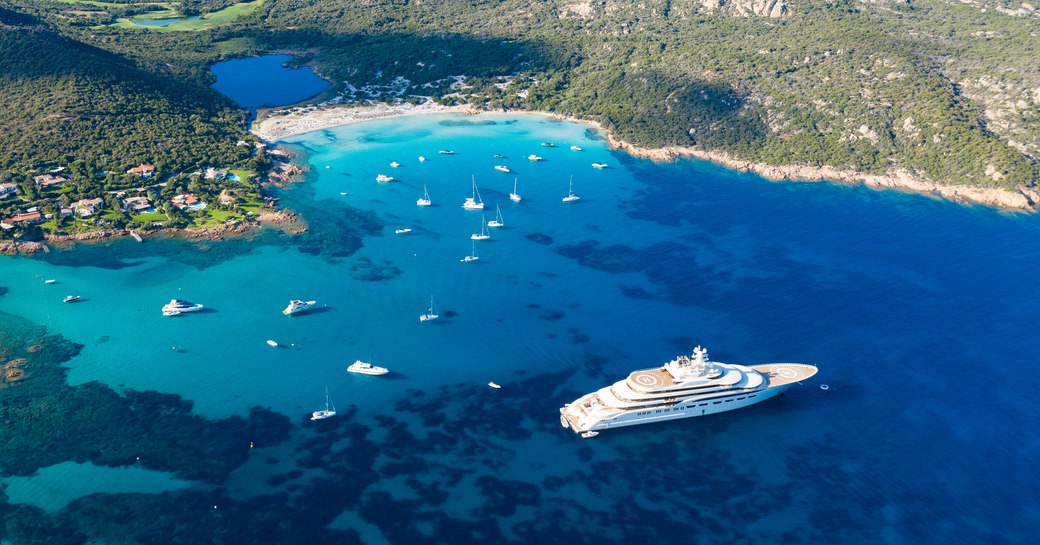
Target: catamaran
{"type": "Point", "coordinates": [330, 409]}
{"type": "Point", "coordinates": [498, 221]}
{"type": "Point", "coordinates": [571, 197]}
{"type": "Point", "coordinates": [472, 256]}
{"type": "Point", "coordinates": [425, 200]}
{"type": "Point", "coordinates": [474, 202]}
{"type": "Point", "coordinates": [430, 314]}
{"type": "Point", "coordinates": [514, 196]}
{"type": "Point", "coordinates": [484, 234]}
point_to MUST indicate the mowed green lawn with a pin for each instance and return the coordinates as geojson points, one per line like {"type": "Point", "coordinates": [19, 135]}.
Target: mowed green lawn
{"type": "Point", "coordinates": [208, 20]}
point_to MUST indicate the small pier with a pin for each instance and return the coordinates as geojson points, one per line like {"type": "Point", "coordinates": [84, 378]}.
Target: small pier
{"type": "Point", "coordinates": [136, 236]}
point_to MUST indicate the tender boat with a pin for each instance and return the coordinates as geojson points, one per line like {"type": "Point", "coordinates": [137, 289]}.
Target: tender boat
{"type": "Point", "coordinates": [472, 256]}
{"type": "Point", "coordinates": [297, 306]}
{"type": "Point", "coordinates": [402, 231]}
{"type": "Point", "coordinates": [330, 409]}
{"type": "Point", "coordinates": [502, 168]}
{"type": "Point", "coordinates": [575, 148]}
{"type": "Point", "coordinates": [685, 387]}
{"type": "Point", "coordinates": [71, 299]}
{"type": "Point", "coordinates": [589, 434]}
{"type": "Point", "coordinates": [425, 200]}
{"type": "Point", "coordinates": [484, 234]}
{"type": "Point", "coordinates": [179, 306]}
{"type": "Point", "coordinates": [571, 197]}
{"type": "Point", "coordinates": [514, 196]}
{"type": "Point", "coordinates": [384, 178]}
{"type": "Point", "coordinates": [394, 164]}
{"type": "Point", "coordinates": [430, 314]}
{"type": "Point", "coordinates": [533, 157]}
{"type": "Point", "coordinates": [365, 368]}
{"type": "Point", "coordinates": [493, 385]}
{"type": "Point", "coordinates": [599, 165]}
{"type": "Point", "coordinates": [498, 221]}
{"type": "Point", "coordinates": [474, 202]}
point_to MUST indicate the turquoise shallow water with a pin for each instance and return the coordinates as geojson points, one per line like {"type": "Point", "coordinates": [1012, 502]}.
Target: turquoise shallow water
{"type": "Point", "coordinates": [916, 311]}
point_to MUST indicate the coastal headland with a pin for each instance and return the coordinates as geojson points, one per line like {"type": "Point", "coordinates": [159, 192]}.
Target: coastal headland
{"type": "Point", "coordinates": [277, 124]}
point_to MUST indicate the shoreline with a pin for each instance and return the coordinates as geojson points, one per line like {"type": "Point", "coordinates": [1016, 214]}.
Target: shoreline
{"type": "Point", "coordinates": [286, 220]}
{"type": "Point", "coordinates": [302, 120]}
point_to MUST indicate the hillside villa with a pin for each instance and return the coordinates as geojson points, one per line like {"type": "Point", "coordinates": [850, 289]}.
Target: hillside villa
{"type": "Point", "coordinates": [144, 170]}
{"type": "Point", "coordinates": [137, 205]}
{"type": "Point", "coordinates": [7, 190]}
{"type": "Point", "coordinates": [28, 217]}
{"type": "Point", "coordinates": [187, 201]}
{"type": "Point", "coordinates": [47, 180]}
{"type": "Point", "coordinates": [87, 207]}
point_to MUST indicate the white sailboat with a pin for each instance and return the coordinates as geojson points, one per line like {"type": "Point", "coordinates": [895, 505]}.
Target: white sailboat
{"type": "Point", "coordinates": [330, 409]}
{"type": "Point", "coordinates": [425, 200]}
{"type": "Point", "coordinates": [430, 314]}
{"type": "Point", "coordinates": [514, 196]}
{"type": "Point", "coordinates": [571, 197]}
{"type": "Point", "coordinates": [472, 256]}
{"type": "Point", "coordinates": [474, 202]}
{"type": "Point", "coordinates": [484, 234]}
{"type": "Point", "coordinates": [498, 221]}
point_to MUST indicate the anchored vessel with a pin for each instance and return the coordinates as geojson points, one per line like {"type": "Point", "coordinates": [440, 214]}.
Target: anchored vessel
{"type": "Point", "coordinates": [684, 387]}
{"type": "Point", "coordinates": [365, 368]}
{"type": "Point", "coordinates": [297, 306]}
{"type": "Point", "coordinates": [179, 306]}
{"type": "Point", "coordinates": [328, 412]}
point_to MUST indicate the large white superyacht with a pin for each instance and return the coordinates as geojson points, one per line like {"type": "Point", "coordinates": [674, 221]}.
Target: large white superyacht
{"type": "Point", "coordinates": [684, 387]}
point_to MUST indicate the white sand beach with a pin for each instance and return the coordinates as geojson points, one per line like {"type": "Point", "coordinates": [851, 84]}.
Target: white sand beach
{"type": "Point", "coordinates": [312, 118]}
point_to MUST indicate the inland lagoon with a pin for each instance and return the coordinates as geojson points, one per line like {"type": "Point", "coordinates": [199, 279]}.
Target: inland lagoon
{"type": "Point", "coordinates": [256, 82]}
{"type": "Point", "coordinates": [916, 311]}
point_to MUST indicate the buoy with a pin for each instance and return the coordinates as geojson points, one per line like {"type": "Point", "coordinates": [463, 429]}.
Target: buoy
{"type": "Point", "coordinates": [824, 387]}
{"type": "Point", "coordinates": [250, 444]}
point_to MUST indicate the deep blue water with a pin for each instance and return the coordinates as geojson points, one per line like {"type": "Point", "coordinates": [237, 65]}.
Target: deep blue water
{"type": "Point", "coordinates": [256, 82]}
{"type": "Point", "coordinates": [918, 312]}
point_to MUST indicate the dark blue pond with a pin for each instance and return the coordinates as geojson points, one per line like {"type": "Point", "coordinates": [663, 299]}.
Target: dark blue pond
{"type": "Point", "coordinates": [265, 81]}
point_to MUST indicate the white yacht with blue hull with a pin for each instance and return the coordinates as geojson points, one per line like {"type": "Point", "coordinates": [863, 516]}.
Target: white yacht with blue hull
{"type": "Point", "coordinates": [685, 387]}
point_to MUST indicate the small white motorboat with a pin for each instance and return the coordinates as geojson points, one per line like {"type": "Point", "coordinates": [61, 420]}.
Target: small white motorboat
{"type": "Point", "coordinates": [71, 299]}
{"type": "Point", "coordinates": [402, 231]}
{"type": "Point", "coordinates": [365, 368]}
{"type": "Point", "coordinates": [575, 148]}
{"type": "Point", "coordinates": [533, 157]}
{"type": "Point", "coordinates": [493, 385]}
{"type": "Point", "coordinates": [49, 281]}
{"type": "Point", "coordinates": [589, 434]}
{"type": "Point", "coordinates": [271, 343]}
{"type": "Point", "coordinates": [394, 164]}
{"type": "Point", "coordinates": [502, 168]}
{"type": "Point", "coordinates": [384, 178]}
{"type": "Point", "coordinates": [599, 165]}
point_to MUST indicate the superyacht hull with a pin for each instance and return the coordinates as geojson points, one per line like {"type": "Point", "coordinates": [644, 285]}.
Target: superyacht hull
{"type": "Point", "coordinates": [651, 395]}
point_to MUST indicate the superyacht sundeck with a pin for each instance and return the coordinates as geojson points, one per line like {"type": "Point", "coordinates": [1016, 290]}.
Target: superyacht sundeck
{"type": "Point", "coordinates": [365, 368]}
{"type": "Point", "coordinates": [179, 306]}
{"type": "Point", "coordinates": [296, 306]}
{"type": "Point", "coordinates": [502, 168]}
{"type": "Point", "coordinates": [384, 178]}
{"type": "Point", "coordinates": [474, 202]}
{"type": "Point", "coordinates": [684, 387]}
{"type": "Point", "coordinates": [328, 412]}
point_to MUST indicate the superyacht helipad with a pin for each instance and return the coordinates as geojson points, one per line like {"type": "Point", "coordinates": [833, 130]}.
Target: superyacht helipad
{"type": "Point", "coordinates": [684, 387]}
